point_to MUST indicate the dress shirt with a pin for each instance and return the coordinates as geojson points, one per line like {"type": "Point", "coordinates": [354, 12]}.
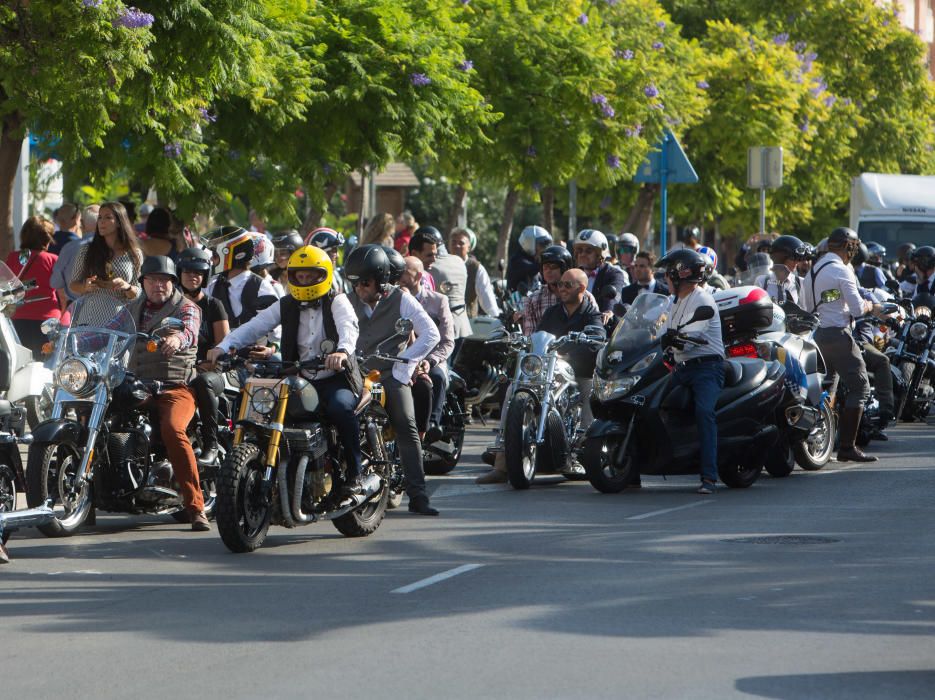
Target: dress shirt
{"type": "Point", "coordinates": [780, 292]}
{"type": "Point", "coordinates": [483, 287]}
{"type": "Point", "coordinates": [236, 290]}
{"type": "Point", "coordinates": [311, 330]}
{"type": "Point", "coordinates": [682, 310]}
{"type": "Point", "coordinates": [830, 279]}
{"type": "Point", "coordinates": [427, 336]}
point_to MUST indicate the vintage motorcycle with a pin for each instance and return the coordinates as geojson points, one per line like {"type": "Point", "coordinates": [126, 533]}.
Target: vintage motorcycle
{"type": "Point", "coordinates": [541, 433]}
{"type": "Point", "coordinates": [99, 450]}
{"type": "Point", "coordinates": [644, 426]}
{"type": "Point", "coordinates": [287, 467]}
{"type": "Point", "coordinates": [912, 360]}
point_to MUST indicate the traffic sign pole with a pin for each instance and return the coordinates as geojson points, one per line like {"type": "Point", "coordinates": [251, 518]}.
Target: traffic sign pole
{"type": "Point", "coordinates": [664, 194]}
{"type": "Point", "coordinates": [762, 210]}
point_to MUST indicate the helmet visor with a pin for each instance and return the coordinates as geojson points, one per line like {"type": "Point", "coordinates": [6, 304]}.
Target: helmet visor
{"type": "Point", "coordinates": [307, 276]}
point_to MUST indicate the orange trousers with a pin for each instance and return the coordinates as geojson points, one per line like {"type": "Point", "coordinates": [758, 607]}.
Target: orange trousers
{"type": "Point", "coordinates": [176, 407]}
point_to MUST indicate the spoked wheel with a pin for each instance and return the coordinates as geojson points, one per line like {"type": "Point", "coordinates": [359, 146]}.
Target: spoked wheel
{"type": "Point", "coordinates": [51, 473]}
{"type": "Point", "coordinates": [814, 452]}
{"type": "Point", "coordinates": [607, 470]}
{"type": "Point", "coordinates": [243, 510]}
{"type": "Point", "coordinates": [519, 441]}
{"type": "Point", "coordinates": [7, 493]}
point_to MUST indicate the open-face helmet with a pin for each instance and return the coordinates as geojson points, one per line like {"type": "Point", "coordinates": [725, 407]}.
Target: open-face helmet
{"type": "Point", "coordinates": [327, 239]}
{"type": "Point", "coordinates": [684, 265]}
{"type": "Point", "coordinates": [236, 252]}
{"type": "Point", "coordinates": [532, 238]}
{"type": "Point", "coordinates": [594, 238]}
{"type": "Point", "coordinates": [557, 255]}
{"type": "Point", "coordinates": [368, 262]}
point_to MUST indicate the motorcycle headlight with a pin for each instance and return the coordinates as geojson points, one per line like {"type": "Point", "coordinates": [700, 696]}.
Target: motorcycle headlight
{"type": "Point", "coordinates": [610, 389]}
{"type": "Point", "coordinates": [923, 312]}
{"type": "Point", "coordinates": [531, 366]}
{"type": "Point", "coordinates": [918, 331]}
{"type": "Point", "coordinates": [263, 401]}
{"type": "Point", "coordinates": [644, 363]}
{"type": "Point", "coordinates": [74, 375]}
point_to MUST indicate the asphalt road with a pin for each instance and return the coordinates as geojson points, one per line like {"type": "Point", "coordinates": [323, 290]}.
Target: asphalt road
{"type": "Point", "coordinates": [820, 585]}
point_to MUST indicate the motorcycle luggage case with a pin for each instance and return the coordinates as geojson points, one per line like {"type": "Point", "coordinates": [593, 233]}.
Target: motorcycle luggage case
{"type": "Point", "coordinates": [744, 310]}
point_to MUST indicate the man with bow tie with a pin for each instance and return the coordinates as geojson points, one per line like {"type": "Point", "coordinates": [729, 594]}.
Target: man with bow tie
{"type": "Point", "coordinates": [645, 282]}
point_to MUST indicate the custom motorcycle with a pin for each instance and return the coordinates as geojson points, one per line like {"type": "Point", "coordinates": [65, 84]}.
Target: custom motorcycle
{"type": "Point", "coordinates": [100, 449]}
{"type": "Point", "coordinates": [484, 364]}
{"type": "Point", "coordinates": [645, 426]}
{"type": "Point", "coordinates": [441, 456]}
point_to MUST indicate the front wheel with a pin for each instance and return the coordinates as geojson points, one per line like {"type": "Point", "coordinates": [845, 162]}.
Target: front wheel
{"type": "Point", "coordinates": [519, 441]}
{"type": "Point", "coordinates": [243, 509]}
{"type": "Point", "coordinates": [601, 466]}
{"type": "Point", "coordinates": [740, 476]}
{"type": "Point", "coordinates": [51, 473]}
{"type": "Point", "coordinates": [39, 408]}
{"type": "Point", "coordinates": [814, 452]}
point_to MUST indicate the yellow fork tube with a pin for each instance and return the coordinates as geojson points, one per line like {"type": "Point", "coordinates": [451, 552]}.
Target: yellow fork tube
{"type": "Point", "coordinates": [275, 435]}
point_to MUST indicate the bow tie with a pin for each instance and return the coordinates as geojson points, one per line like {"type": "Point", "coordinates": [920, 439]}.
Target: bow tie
{"type": "Point", "coordinates": [644, 286]}
{"type": "Point", "coordinates": [150, 306]}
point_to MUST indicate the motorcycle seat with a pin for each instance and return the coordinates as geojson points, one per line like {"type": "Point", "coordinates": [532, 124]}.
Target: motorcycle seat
{"type": "Point", "coordinates": [745, 371]}
{"type": "Point", "coordinates": [6, 408]}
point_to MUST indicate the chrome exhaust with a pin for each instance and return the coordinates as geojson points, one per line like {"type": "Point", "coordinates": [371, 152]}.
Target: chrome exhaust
{"type": "Point", "coordinates": [371, 485]}
{"type": "Point", "coordinates": [31, 517]}
{"type": "Point", "coordinates": [802, 417]}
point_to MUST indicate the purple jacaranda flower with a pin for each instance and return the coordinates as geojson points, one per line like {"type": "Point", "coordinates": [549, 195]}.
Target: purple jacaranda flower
{"type": "Point", "coordinates": [819, 87]}
{"type": "Point", "coordinates": [531, 151]}
{"type": "Point", "coordinates": [132, 18]}
{"type": "Point", "coordinates": [634, 132]}
{"type": "Point", "coordinates": [612, 3]}
{"type": "Point", "coordinates": [803, 127]}
{"type": "Point", "coordinates": [465, 2]}
{"type": "Point", "coordinates": [657, 45]}
{"type": "Point", "coordinates": [650, 90]}
{"type": "Point", "coordinates": [613, 161]}
{"type": "Point", "coordinates": [847, 101]}
{"type": "Point", "coordinates": [661, 24]}
{"type": "Point", "coordinates": [625, 54]}
{"type": "Point", "coordinates": [172, 150]}
{"type": "Point", "coordinates": [607, 111]}
{"type": "Point", "coordinates": [657, 105]}
{"type": "Point", "coordinates": [830, 101]}
{"type": "Point", "coordinates": [466, 65]}
{"type": "Point", "coordinates": [606, 202]}
{"type": "Point", "coordinates": [800, 46]}
{"type": "Point", "coordinates": [598, 99]}
{"type": "Point", "coordinates": [419, 79]}
{"type": "Point", "coordinates": [583, 19]}
{"type": "Point", "coordinates": [702, 85]}
{"type": "Point", "coordinates": [92, 3]}
{"type": "Point", "coordinates": [206, 115]}
{"type": "Point", "coordinates": [781, 39]}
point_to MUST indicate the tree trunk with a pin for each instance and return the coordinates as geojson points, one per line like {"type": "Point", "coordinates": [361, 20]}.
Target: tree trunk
{"type": "Point", "coordinates": [11, 144]}
{"type": "Point", "coordinates": [506, 226]}
{"type": "Point", "coordinates": [315, 213]}
{"type": "Point", "coordinates": [548, 210]}
{"type": "Point", "coordinates": [457, 206]}
{"type": "Point", "coordinates": [639, 220]}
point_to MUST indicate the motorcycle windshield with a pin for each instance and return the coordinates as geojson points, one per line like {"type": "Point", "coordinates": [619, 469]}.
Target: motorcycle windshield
{"type": "Point", "coordinates": [640, 328]}
{"type": "Point", "coordinates": [757, 274]}
{"type": "Point", "coordinates": [539, 343]}
{"type": "Point", "coordinates": [102, 330]}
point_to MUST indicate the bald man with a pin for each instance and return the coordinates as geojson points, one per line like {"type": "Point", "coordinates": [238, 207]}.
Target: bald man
{"type": "Point", "coordinates": [435, 366]}
{"type": "Point", "coordinates": [575, 312]}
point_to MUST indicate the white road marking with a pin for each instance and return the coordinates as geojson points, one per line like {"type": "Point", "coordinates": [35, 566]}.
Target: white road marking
{"type": "Point", "coordinates": [652, 513]}
{"type": "Point", "coordinates": [437, 578]}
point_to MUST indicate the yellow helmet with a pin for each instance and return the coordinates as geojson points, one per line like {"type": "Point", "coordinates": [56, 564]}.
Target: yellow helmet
{"type": "Point", "coordinates": [316, 260]}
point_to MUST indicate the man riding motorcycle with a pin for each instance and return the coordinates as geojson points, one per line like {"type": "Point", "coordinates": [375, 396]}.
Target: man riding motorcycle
{"type": "Point", "coordinates": [591, 251]}
{"type": "Point", "coordinates": [782, 283]}
{"type": "Point", "coordinates": [243, 293]}
{"type": "Point", "coordinates": [523, 267]}
{"type": "Point", "coordinates": [330, 241]}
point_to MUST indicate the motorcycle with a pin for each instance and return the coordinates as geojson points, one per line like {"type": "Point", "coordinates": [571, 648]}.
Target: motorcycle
{"type": "Point", "coordinates": [12, 477]}
{"type": "Point", "coordinates": [644, 426]}
{"type": "Point", "coordinates": [98, 450]}
{"type": "Point", "coordinates": [541, 432]}
{"type": "Point", "coordinates": [441, 456]}
{"type": "Point", "coordinates": [913, 364]}
{"type": "Point", "coordinates": [484, 365]}
{"type": "Point", "coordinates": [286, 466]}
{"type": "Point", "coordinates": [753, 326]}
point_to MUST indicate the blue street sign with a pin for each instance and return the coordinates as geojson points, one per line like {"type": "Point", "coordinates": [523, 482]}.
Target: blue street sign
{"type": "Point", "coordinates": [666, 163]}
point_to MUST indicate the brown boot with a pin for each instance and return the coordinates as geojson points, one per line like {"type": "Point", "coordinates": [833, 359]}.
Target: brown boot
{"type": "Point", "coordinates": [497, 475]}
{"type": "Point", "coordinates": [200, 521]}
{"type": "Point", "coordinates": [850, 423]}
{"type": "Point", "coordinates": [4, 555]}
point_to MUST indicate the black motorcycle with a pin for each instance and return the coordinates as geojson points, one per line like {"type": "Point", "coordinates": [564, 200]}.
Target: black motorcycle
{"type": "Point", "coordinates": [101, 448]}
{"type": "Point", "coordinates": [912, 360]}
{"type": "Point", "coordinates": [442, 455]}
{"type": "Point", "coordinates": [642, 423]}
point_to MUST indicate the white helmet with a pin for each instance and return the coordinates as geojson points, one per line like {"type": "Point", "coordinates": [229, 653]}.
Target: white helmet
{"type": "Point", "coordinates": [595, 239]}
{"type": "Point", "coordinates": [532, 237]}
{"type": "Point", "coordinates": [628, 239]}
{"type": "Point", "coordinates": [262, 251]}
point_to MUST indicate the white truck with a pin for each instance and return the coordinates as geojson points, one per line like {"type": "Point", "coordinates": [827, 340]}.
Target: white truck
{"type": "Point", "coordinates": [894, 209]}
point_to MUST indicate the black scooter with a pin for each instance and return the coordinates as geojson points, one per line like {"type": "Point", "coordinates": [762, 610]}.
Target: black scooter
{"type": "Point", "coordinates": [644, 426]}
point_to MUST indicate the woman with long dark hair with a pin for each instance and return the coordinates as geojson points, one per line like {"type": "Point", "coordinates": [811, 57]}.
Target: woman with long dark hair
{"type": "Point", "coordinates": [110, 263]}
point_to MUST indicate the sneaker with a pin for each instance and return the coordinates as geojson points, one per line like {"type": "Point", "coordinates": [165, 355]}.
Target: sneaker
{"type": "Point", "coordinates": [200, 522]}
{"type": "Point", "coordinates": [707, 488]}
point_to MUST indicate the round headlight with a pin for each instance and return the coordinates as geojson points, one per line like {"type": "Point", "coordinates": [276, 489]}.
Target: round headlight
{"type": "Point", "coordinates": [531, 365]}
{"type": "Point", "coordinates": [923, 312]}
{"type": "Point", "coordinates": [74, 375]}
{"type": "Point", "coordinates": [918, 330]}
{"type": "Point", "coordinates": [263, 401]}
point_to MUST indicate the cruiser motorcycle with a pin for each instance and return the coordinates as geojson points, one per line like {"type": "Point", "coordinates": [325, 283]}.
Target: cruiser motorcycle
{"type": "Point", "coordinates": [912, 360]}
{"type": "Point", "coordinates": [99, 450]}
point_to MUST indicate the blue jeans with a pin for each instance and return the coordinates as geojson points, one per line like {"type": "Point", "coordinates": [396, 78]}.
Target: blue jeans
{"type": "Point", "coordinates": [705, 379]}
{"type": "Point", "coordinates": [340, 403]}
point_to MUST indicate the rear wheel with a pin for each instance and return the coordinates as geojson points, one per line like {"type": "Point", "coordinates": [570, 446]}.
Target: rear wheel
{"type": "Point", "coordinates": [7, 493]}
{"type": "Point", "coordinates": [51, 474]}
{"type": "Point", "coordinates": [814, 452]}
{"type": "Point", "coordinates": [740, 476]}
{"type": "Point", "coordinates": [364, 520]}
{"type": "Point", "coordinates": [601, 466]}
{"type": "Point", "coordinates": [519, 441]}
{"type": "Point", "coordinates": [243, 510]}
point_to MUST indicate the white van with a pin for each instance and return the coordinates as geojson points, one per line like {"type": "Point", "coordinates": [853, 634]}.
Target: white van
{"type": "Point", "coordinates": [894, 209]}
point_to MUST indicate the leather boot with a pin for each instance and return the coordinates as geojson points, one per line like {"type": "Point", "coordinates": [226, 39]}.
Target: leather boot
{"type": "Point", "coordinates": [497, 475]}
{"type": "Point", "coordinates": [850, 423]}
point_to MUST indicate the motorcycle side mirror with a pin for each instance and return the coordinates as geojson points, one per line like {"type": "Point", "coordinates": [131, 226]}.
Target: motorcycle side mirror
{"type": "Point", "coordinates": [620, 309]}
{"type": "Point", "coordinates": [610, 292]}
{"type": "Point", "coordinates": [445, 288]}
{"type": "Point", "coordinates": [890, 308]}
{"type": "Point", "coordinates": [403, 326]}
{"type": "Point", "coordinates": [702, 313]}
{"type": "Point", "coordinates": [327, 346]}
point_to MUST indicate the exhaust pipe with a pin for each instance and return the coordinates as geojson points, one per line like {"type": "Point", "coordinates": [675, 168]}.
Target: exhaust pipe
{"type": "Point", "coordinates": [31, 517]}
{"type": "Point", "coordinates": [371, 485]}
{"type": "Point", "coordinates": [802, 417]}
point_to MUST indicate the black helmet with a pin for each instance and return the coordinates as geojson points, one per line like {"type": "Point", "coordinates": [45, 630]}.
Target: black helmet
{"type": "Point", "coordinates": [786, 247]}
{"type": "Point", "coordinates": [159, 265]}
{"type": "Point", "coordinates": [288, 240]}
{"type": "Point", "coordinates": [862, 255]}
{"type": "Point", "coordinates": [397, 263]}
{"type": "Point", "coordinates": [924, 257]}
{"type": "Point", "coordinates": [877, 253]}
{"type": "Point", "coordinates": [367, 262]}
{"type": "Point", "coordinates": [196, 259]}
{"type": "Point", "coordinates": [846, 239]}
{"type": "Point", "coordinates": [905, 250]}
{"type": "Point", "coordinates": [425, 234]}
{"type": "Point", "coordinates": [684, 265]}
{"type": "Point", "coordinates": [558, 255]}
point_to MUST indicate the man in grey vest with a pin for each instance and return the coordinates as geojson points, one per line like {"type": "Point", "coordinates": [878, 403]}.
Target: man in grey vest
{"type": "Point", "coordinates": [449, 274]}
{"type": "Point", "coordinates": [378, 306]}
{"type": "Point", "coordinates": [479, 294]}
{"type": "Point", "coordinates": [173, 365]}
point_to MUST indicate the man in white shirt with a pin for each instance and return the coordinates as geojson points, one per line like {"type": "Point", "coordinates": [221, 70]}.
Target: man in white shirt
{"type": "Point", "coordinates": [310, 314]}
{"type": "Point", "coordinates": [243, 293]}
{"type": "Point", "coordinates": [830, 291]}
{"type": "Point", "coordinates": [479, 294]}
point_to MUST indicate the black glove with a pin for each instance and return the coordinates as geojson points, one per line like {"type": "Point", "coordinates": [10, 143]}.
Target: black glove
{"type": "Point", "coordinates": [670, 339]}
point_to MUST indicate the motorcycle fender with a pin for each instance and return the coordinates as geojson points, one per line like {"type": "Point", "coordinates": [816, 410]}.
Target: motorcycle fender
{"type": "Point", "coordinates": [29, 381]}
{"type": "Point", "coordinates": [605, 428]}
{"type": "Point", "coordinates": [60, 430]}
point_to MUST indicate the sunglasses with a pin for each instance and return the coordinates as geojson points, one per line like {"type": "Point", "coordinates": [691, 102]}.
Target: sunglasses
{"type": "Point", "coordinates": [626, 249]}
{"type": "Point", "coordinates": [568, 285]}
